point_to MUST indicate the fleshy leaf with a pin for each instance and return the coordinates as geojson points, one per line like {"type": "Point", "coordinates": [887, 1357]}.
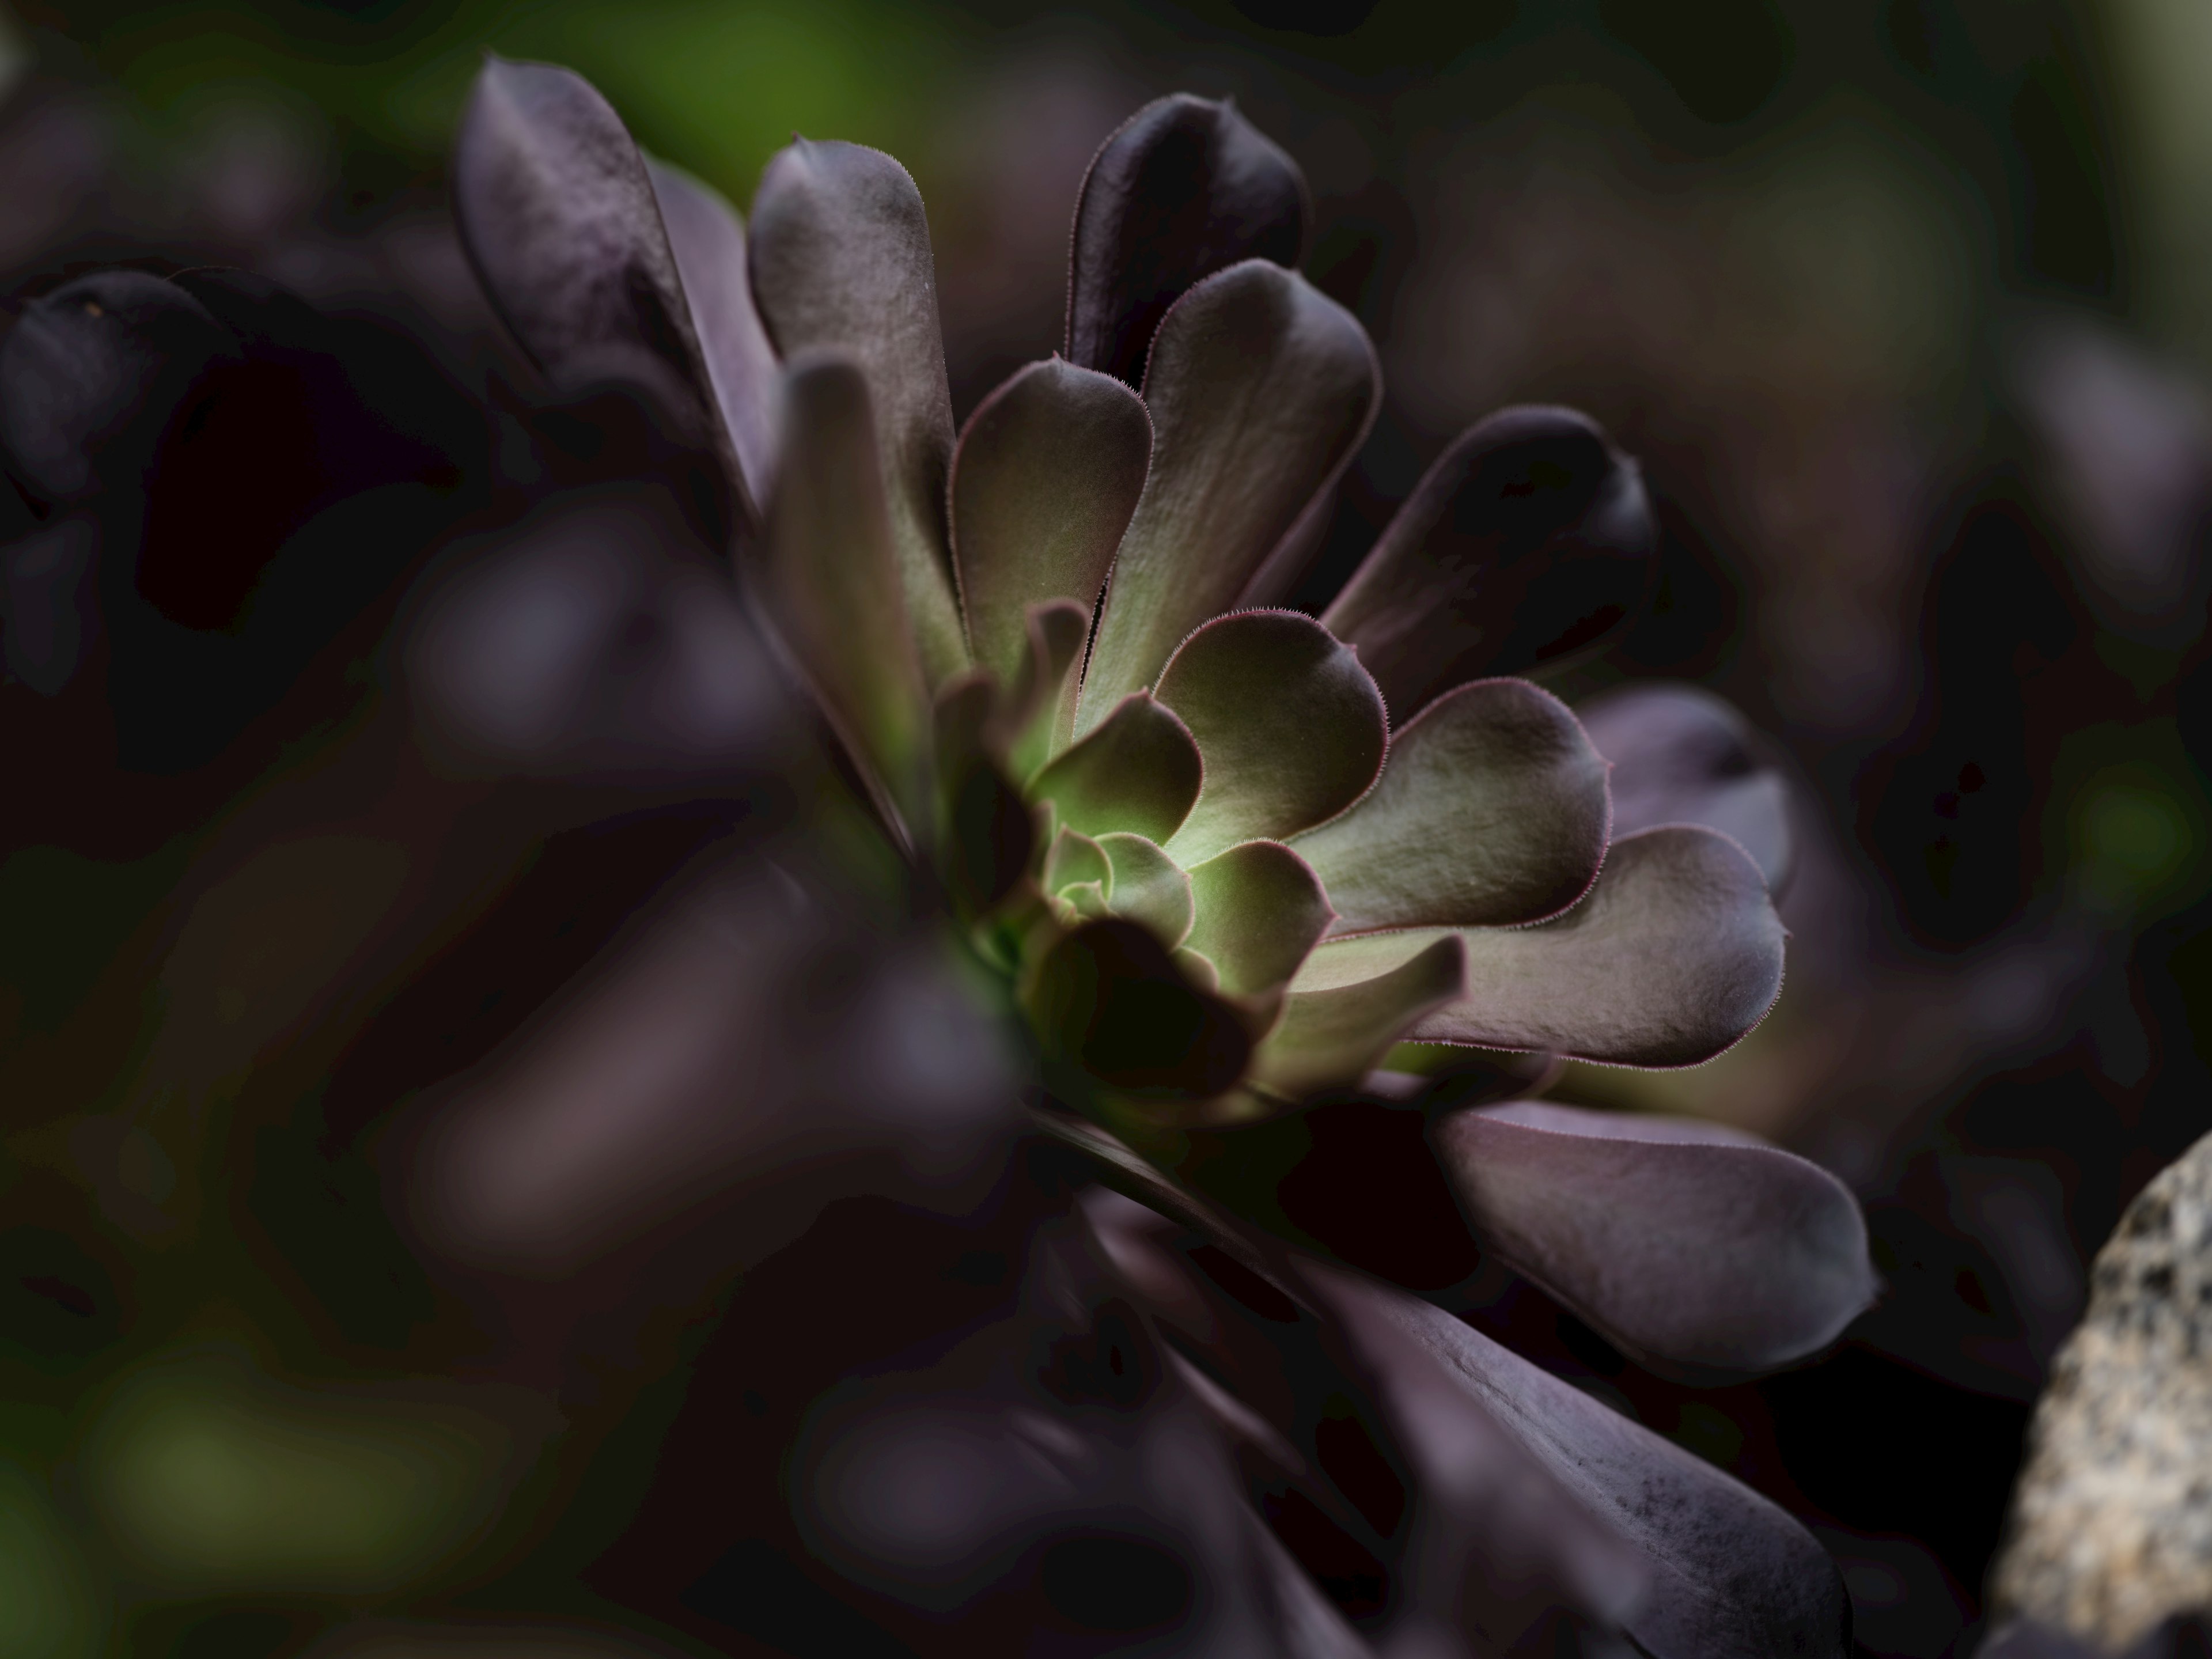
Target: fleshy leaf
{"type": "Point", "coordinates": [1138, 773]}
{"type": "Point", "coordinates": [1681, 755]}
{"type": "Point", "coordinates": [1041, 701]}
{"type": "Point", "coordinates": [558, 217]}
{"type": "Point", "coordinates": [988, 835]}
{"type": "Point", "coordinates": [1260, 910]}
{"type": "Point", "coordinates": [840, 257]}
{"type": "Point", "coordinates": [1674, 954]}
{"type": "Point", "coordinates": [1492, 811]}
{"type": "Point", "coordinates": [1731, 1577]}
{"type": "Point", "coordinates": [708, 240]}
{"type": "Point", "coordinates": [1076, 857]}
{"type": "Point", "coordinates": [1331, 1039]}
{"type": "Point", "coordinates": [1291, 729]}
{"type": "Point", "coordinates": [1184, 188]}
{"type": "Point", "coordinates": [1108, 1000]}
{"type": "Point", "coordinates": [1529, 541]}
{"type": "Point", "coordinates": [1048, 469]}
{"type": "Point", "coordinates": [830, 578]}
{"type": "Point", "coordinates": [1683, 1241]}
{"type": "Point", "coordinates": [1261, 387]}
{"type": "Point", "coordinates": [1149, 887]}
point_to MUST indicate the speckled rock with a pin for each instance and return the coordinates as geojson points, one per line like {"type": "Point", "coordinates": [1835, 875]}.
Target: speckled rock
{"type": "Point", "coordinates": [2112, 1526]}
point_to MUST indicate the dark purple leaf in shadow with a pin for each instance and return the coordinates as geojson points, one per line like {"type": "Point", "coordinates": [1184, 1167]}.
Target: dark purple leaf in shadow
{"type": "Point", "coordinates": [91, 373]}
{"type": "Point", "coordinates": [1731, 1576]}
{"type": "Point", "coordinates": [558, 217]}
{"type": "Point", "coordinates": [1110, 1002]}
{"type": "Point", "coordinates": [2026, 1639]}
{"type": "Point", "coordinates": [1184, 188]}
{"type": "Point", "coordinates": [1529, 541]}
{"type": "Point", "coordinates": [986, 831]}
{"type": "Point", "coordinates": [708, 240]}
{"type": "Point", "coordinates": [1691, 1245]}
{"type": "Point", "coordinates": [842, 262]}
{"type": "Point", "coordinates": [1681, 755]}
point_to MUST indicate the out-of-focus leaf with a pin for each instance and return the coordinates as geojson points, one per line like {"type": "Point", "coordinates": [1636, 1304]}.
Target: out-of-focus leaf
{"type": "Point", "coordinates": [988, 831]}
{"type": "Point", "coordinates": [830, 582]}
{"type": "Point", "coordinates": [1109, 999]}
{"type": "Point", "coordinates": [1530, 540]}
{"type": "Point", "coordinates": [840, 258]}
{"type": "Point", "coordinates": [1690, 1244]}
{"type": "Point", "coordinates": [1041, 702]}
{"type": "Point", "coordinates": [1731, 1576]}
{"type": "Point", "coordinates": [1261, 387]}
{"type": "Point", "coordinates": [1291, 729]}
{"type": "Point", "coordinates": [1674, 954]}
{"type": "Point", "coordinates": [1047, 472]}
{"type": "Point", "coordinates": [1138, 772]}
{"type": "Point", "coordinates": [1074, 858]}
{"type": "Point", "coordinates": [558, 217]}
{"type": "Point", "coordinates": [99, 362]}
{"type": "Point", "coordinates": [1184, 188]}
{"type": "Point", "coordinates": [1261, 908]}
{"type": "Point", "coordinates": [1331, 1039]}
{"type": "Point", "coordinates": [708, 240]}
{"type": "Point", "coordinates": [1491, 810]}
{"type": "Point", "coordinates": [1149, 887]}
{"type": "Point", "coordinates": [1681, 755]}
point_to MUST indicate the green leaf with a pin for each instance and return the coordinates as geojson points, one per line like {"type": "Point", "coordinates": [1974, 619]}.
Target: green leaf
{"type": "Point", "coordinates": [1492, 810]}
{"type": "Point", "coordinates": [1261, 908]}
{"type": "Point", "coordinates": [1149, 887]}
{"type": "Point", "coordinates": [840, 257]}
{"type": "Point", "coordinates": [1048, 469]}
{"type": "Point", "coordinates": [1109, 1002]}
{"type": "Point", "coordinates": [1529, 541]}
{"type": "Point", "coordinates": [1185, 187]}
{"type": "Point", "coordinates": [1139, 772]}
{"type": "Point", "coordinates": [1074, 858]}
{"type": "Point", "coordinates": [1041, 702]}
{"type": "Point", "coordinates": [1291, 729]}
{"type": "Point", "coordinates": [708, 240]}
{"type": "Point", "coordinates": [557, 215]}
{"type": "Point", "coordinates": [830, 584]}
{"type": "Point", "coordinates": [1261, 387]}
{"type": "Point", "coordinates": [1332, 1039]}
{"type": "Point", "coordinates": [1672, 957]}
{"type": "Point", "coordinates": [1686, 1243]}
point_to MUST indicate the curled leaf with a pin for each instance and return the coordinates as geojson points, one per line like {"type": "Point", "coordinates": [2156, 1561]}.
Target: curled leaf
{"type": "Point", "coordinates": [1137, 772]}
{"type": "Point", "coordinates": [1529, 541]}
{"type": "Point", "coordinates": [1261, 387]}
{"type": "Point", "coordinates": [1291, 729]}
{"type": "Point", "coordinates": [1331, 1039]}
{"type": "Point", "coordinates": [1691, 1244]}
{"type": "Point", "coordinates": [1681, 755]}
{"type": "Point", "coordinates": [1108, 1000]}
{"type": "Point", "coordinates": [1185, 187]}
{"type": "Point", "coordinates": [1492, 811]}
{"type": "Point", "coordinates": [1260, 910]}
{"type": "Point", "coordinates": [1048, 469]}
{"type": "Point", "coordinates": [1148, 886]}
{"type": "Point", "coordinates": [840, 258]}
{"type": "Point", "coordinates": [1674, 954]}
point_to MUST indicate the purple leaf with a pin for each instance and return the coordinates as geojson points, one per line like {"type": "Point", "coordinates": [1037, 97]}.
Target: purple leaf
{"type": "Point", "coordinates": [1491, 810]}
{"type": "Point", "coordinates": [1261, 908]}
{"type": "Point", "coordinates": [1731, 1576]}
{"type": "Point", "coordinates": [1047, 472]}
{"type": "Point", "coordinates": [708, 239]}
{"type": "Point", "coordinates": [1291, 729]}
{"type": "Point", "coordinates": [829, 582]}
{"type": "Point", "coordinates": [1108, 1000]}
{"type": "Point", "coordinates": [1261, 388]}
{"type": "Point", "coordinates": [1529, 542]}
{"type": "Point", "coordinates": [1184, 188]}
{"type": "Point", "coordinates": [840, 258]}
{"type": "Point", "coordinates": [1681, 755]}
{"type": "Point", "coordinates": [1687, 1243]}
{"type": "Point", "coordinates": [1674, 954]}
{"type": "Point", "coordinates": [1139, 771]}
{"type": "Point", "coordinates": [1331, 1039]}
{"type": "Point", "coordinates": [557, 215]}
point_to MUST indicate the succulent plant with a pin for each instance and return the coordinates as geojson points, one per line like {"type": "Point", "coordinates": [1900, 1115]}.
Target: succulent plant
{"type": "Point", "coordinates": [1106, 881]}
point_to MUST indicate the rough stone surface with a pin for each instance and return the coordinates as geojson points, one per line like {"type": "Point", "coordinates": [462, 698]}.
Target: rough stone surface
{"type": "Point", "coordinates": [2112, 1526]}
